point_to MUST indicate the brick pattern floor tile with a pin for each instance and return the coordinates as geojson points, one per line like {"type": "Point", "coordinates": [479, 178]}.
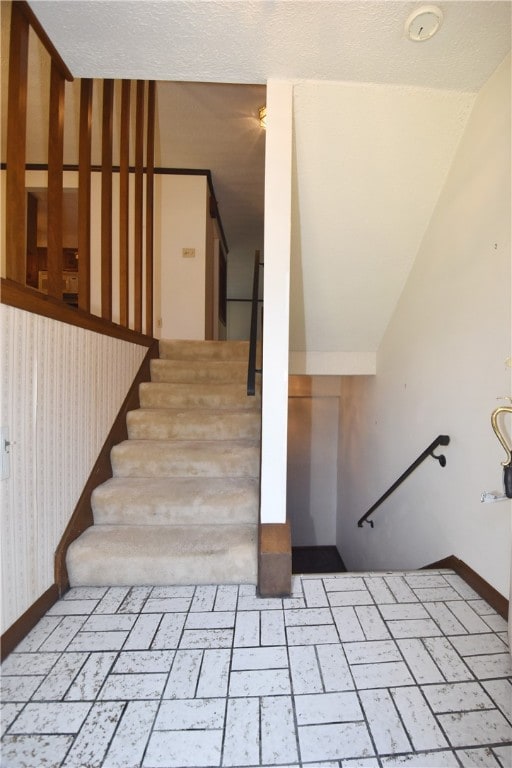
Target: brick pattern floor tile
{"type": "Point", "coordinates": [350, 671]}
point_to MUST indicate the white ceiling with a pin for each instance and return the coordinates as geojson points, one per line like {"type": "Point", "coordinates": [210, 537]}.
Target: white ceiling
{"type": "Point", "coordinates": [249, 41]}
{"type": "Point", "coordinates": [370, 160]}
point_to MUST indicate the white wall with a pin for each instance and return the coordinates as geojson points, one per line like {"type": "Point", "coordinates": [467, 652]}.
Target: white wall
{"type": "Point", "coordinates": [312, 480]}
{"type": "Point", "coordinates": [440, 368]}
{"type": "Point", "coordinates": [371, 161]}
{"type": "Point", "coordinates": [276, 287]}
{"type": "Point", "coordinates": [180, 222]}
{"type": "Point", "coordinates": [62, 387]}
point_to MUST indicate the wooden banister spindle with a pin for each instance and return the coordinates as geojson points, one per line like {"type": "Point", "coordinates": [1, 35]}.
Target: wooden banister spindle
{"type": "Point", "coordinates": [16, 147]}
{"type": "Point", "coordinates": [150, 162]}
{"type": "Point", "coordinates": [55, 182]}
{"type": "Point", "coordinates": [139, 177]}
{"type": "Point", "coordinates": [84, 196]}
{"type": "Point", "coordinates": [106, 199]}
{"type": "Point", "coordinates": [124, 204]}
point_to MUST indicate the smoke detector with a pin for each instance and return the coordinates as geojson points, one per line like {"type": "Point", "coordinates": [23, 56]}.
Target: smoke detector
{"type": "Point", "coordinates": [423, 23]}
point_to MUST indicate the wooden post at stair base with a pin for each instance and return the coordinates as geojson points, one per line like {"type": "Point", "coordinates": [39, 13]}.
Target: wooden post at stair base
{"type": "Point", "coordinates": [84, 196]}
{"type": "Point", "coordinates": [16, 146]}
{"type": "Point", "coordinates": [274, 560]}
{"type": "Point", "coordinates": [55, 182]}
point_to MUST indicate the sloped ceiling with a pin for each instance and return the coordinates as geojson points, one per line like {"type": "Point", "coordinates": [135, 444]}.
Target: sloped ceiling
{"type": "Point", "coordinates": [377, 121]}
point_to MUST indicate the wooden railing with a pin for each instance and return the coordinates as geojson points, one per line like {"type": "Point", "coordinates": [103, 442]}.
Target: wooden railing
{"type": "Point", "coordinates": [253, 338]}
{"type": "Point", "coordinates": [134, 280]}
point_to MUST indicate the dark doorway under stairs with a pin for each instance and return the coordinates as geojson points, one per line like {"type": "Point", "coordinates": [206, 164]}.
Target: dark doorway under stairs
{"type": "Point", "coordinates": [317, 560]}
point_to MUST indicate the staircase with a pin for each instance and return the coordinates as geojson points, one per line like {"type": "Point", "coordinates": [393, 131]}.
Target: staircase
{"type": "Point", "coordinates": [182, 505]}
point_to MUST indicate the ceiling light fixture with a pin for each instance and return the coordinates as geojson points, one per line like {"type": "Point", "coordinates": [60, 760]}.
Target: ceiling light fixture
{"type": "Point", "coordinates": [423, 23]}
{"type": "Point", "coordinates": [262, 112]}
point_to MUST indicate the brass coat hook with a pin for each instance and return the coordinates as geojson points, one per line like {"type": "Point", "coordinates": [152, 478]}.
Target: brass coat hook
{"type": "Point", "coordinates": [507, 464]}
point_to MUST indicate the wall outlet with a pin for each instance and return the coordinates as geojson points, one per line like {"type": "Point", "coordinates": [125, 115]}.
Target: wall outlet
{"type": "Point", "coordinates": [188, 253]}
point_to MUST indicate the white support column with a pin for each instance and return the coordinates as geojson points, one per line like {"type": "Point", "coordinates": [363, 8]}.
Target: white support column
{"type": "Point", "coordinates": [278, 188]}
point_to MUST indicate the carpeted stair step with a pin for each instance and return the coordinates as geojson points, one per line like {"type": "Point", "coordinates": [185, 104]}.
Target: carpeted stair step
{"type": "Point", "coordinates": [185, 458]}
{"type": "Point", "coordinates": [165, 395]}
{"type": "Point", "coordinates": [176, 500]}
{"type": "Point", "coordinates": [183, 505]}
{"type": "Point", "coordinates": [196, 424]}
{"type": "Point", "coordinates": [213, 371]}
{"type": "Point", "coordinates": [132, 555]}
{"type": "Point", "coordinates": [204, 350]}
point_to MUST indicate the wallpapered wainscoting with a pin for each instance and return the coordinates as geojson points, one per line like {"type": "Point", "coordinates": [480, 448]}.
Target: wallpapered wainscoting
{"type": "Point", "coordinates": [62, 387]}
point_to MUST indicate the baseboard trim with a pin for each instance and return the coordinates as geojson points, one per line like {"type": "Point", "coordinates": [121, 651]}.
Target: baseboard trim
{"type": "Point", "coordinates": [471, 577]}
{"type": "Point", "coordinates": [275, 560]}
{"type": "Point", "coordinates": [82, 518]}
{"type": "Point", "coordinates": [28, 620]}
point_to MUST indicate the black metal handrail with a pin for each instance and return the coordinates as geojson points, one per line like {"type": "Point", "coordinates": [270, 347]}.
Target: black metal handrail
{"type": "Point", "coordinates": [252, 370]}
{"type": "Point", "coordinates": [440, 440]}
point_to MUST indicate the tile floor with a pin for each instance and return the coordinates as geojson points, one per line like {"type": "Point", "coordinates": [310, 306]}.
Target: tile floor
{"type": "Point", "coordinates": [352, 671]}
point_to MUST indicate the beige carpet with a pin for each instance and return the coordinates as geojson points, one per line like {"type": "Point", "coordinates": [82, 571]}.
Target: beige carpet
{"type": "Point", "coordinates": [182, 505]}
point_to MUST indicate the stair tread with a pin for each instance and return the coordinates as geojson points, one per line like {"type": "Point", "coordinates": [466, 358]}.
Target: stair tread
{"type": "Point", "coordinates": [171, 458]}
{"type": "Point", "coordinates": [196, 413]}
{"type": "Point", "coordinates": [183, 445]}
{"type": "Point", "coordinates": [200, 350]}
{"type": "Point", "coordinates": [134, 554]}
{"type": "Point", "coordinates": [193, 424]}
{"type": "Point", "coordinates": [196, 371]}
{"type": "Point", "coordinates": [164, 394]}
{"type": "Point", "coordinates": [176, 500]}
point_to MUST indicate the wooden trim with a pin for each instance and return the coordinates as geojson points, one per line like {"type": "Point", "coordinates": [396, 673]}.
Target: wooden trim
{"type": "Point", "coordinates": [16, 146]}
{"type": "Point", "coordinates": [150, 161]}
{"type": "Point", "coordinates": [486, 591]}
{"type": "Point", "coordinates": [28, 620]}
{"type": "Point", "coordinates": [55, 182]}
{"type": "Point", "coordinates": [38, 28]}
{"type": "Point", "coordinates": [158, 170]}
{"type": "Point", "coordinates": [274, 560]}
{"type": "Point", "coordinates": [139, 173]}
{"type": "Point", "coordinates": [106, 199]}
{"type": "Point", "coordinates": [84, 196]}
{"type": "Point", "coordinates": [22, 297]}
{"type": "Point", "coordinates": [82, 517]}
{"type": "Point", "coordinates": [124, 204]}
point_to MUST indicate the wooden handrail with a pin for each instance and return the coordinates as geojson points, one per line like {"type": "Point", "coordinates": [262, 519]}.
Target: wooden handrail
{"type": "Point", "coordinates": [31, 300]}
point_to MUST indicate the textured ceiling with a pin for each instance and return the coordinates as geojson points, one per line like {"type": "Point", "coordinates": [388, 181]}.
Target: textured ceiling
{"type": "Point", "coordinates": [249, 41]}
{"type": "Point", "coordinates": [370, 161]}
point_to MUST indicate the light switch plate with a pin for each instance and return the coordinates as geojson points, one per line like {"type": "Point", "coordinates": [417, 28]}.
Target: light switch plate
{"type": "Point", "coordinates": [188, 253]}
{"type": "Point", "coordinates": [5, 459]}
